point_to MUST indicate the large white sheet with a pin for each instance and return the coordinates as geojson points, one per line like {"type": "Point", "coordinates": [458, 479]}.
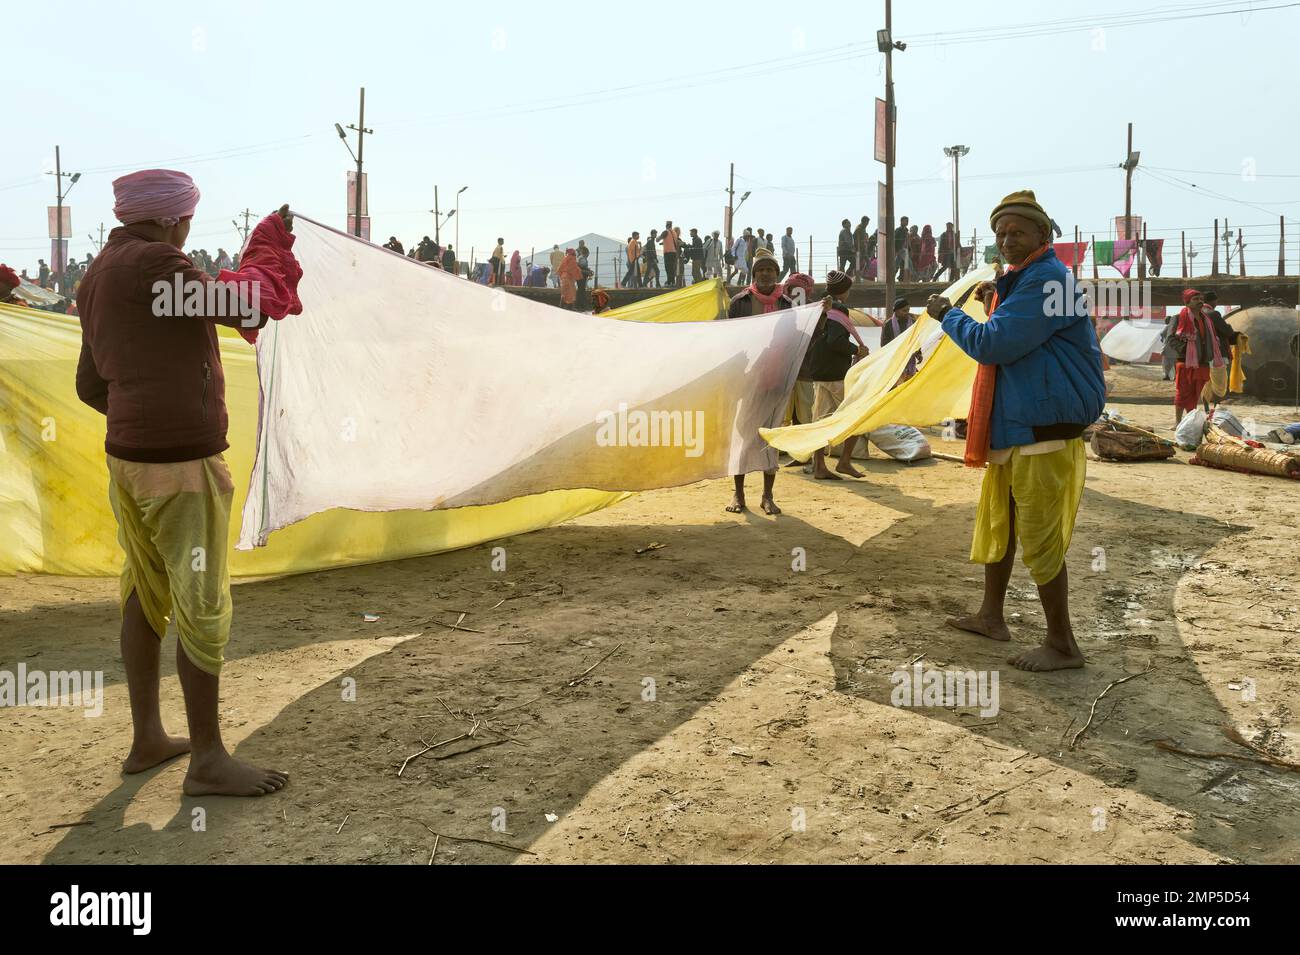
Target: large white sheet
{"type": "Point", "coordinates": [400, 386]}
{"type": "Point", "coordinates": [1133, 340]}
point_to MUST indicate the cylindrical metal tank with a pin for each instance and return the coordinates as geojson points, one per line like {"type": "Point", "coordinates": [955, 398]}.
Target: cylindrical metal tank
{"type": "Point", "coordinates": [1273, 366]}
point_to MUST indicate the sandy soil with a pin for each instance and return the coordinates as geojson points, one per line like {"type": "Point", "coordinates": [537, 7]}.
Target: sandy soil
{"type": "Point", "coordinates": [738, 710]}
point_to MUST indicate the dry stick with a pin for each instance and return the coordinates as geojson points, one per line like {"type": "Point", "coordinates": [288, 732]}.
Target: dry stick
{"type": "Point", "coordinates": [462, 752]}
{"type": "Point", "coordinates": [434, 852]}
{"type": "Point", "coordinates": [447, 708]}
{"type": "Point", "coordinates": [483, 842]}
{"type": "Point", "coordinates": [343, 823]}
{"type": "Point", "coordinates": [1274, 762]}
{"type": "Point", "coordinates": [581, 676]}
{"type": "Point", "coordinates": [428, 747]}
{"type": "Point", "coordinates": [69, 825]}
{"type": "Point", "coordinates": [452, 626]}
{"type": "Point", "coordinates": [1093, 711]}
{"type": "Point", "coordinates": [1234, 735]}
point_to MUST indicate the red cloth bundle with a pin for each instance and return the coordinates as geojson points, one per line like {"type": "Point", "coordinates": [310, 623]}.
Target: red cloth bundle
{"type": "Point", "coordinates": [268, 261]}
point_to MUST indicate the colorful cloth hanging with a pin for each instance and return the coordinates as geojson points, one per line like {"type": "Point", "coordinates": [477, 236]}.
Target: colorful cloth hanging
{"type": "Point", "coordinates": [1070, 252]}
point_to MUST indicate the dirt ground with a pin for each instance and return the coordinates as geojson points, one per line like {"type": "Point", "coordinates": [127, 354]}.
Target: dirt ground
{"type": "Point", "coordinates": [705, 701]}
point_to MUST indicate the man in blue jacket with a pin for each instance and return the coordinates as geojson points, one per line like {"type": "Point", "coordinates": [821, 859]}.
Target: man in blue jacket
{"type": "Point", "coordinates": [1039, 385]}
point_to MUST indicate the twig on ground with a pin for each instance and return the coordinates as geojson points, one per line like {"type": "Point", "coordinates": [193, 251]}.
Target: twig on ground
{"type": "Point", "coordinates": [434, 851]}
{"type": "Point", "coordinates": [462, 752]}
{"type": "Point", "coordinates": [1093, 712]}
{"type": "Point", "coordinates": [343, 823]}
{"type": "Point", "coordinates": [1273, 761]}
{"type": "Point", "coordinates": [69, 825]}
{"type": "Point", "coordinates": [482, 842]}
{"type": "Point", "coordinates": [583, 675]}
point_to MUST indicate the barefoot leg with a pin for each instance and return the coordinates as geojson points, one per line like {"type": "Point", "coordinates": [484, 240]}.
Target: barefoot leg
{"type": "Point", "coordinates": [846, 458]}
{"type": "Point", "coordinates": [1059, 650]}
{"type": "Point", "coordinates": [990, 620]}
{"type": "Point", "coordinates": [738, 498]}
{"type": "Point", "coordinates": [819, 470]}
{"type": "Point", "coordinates": [212, 770]}
{"type": "Point", "coordinates": [767, 503]}
{"type": "Point", "coordinates": [141, 647]}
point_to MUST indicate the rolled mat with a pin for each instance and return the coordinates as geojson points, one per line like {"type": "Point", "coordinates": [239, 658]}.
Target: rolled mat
{"type": "Point", "coordinates": [1239, 457]}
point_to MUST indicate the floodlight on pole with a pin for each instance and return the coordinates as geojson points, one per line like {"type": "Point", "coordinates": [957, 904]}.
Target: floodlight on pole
{"type": "Point", "coordinates": [955, 153]}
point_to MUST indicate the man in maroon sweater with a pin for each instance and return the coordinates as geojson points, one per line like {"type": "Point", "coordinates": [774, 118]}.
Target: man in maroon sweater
{"type": "Point", "coordinates": [150, 363]}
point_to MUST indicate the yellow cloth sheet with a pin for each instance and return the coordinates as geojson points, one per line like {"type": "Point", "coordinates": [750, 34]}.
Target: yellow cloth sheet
{"type": "Point", "coordinates": [174, 525]}
{"type": "Point", "coordinates": [701, 302]}
{"type": "Point", "coordinates": [1237, 376]}
{"type": "Point", "coordinates": [939, 391]}
{"type": "Point", "coordinates": [54, 504]}
{"type": "Point", "coordinates": [1047, 489]}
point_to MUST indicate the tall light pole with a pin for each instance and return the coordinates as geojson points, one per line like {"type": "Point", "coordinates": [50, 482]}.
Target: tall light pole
{"type": "Point", "coordinates": [457, 215]}
{"type": "Point", "coordinates": [58, 174]}
{"type": "Point", "coordinates": [358, 156]}
{"type": "Point", "coordinates": [956, 152]}
{"type": "Point", "coordinates": [886, 45]}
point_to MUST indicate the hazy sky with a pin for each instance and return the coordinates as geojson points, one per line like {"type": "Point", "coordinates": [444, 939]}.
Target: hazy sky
{"type": "Point", "coordinates": [564, 119]}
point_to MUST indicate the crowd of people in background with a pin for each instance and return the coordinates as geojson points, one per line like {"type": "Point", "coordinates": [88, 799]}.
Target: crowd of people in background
{"type": "Point", "coordinates": [663, 258]}
{"type": "Point", "coordinates": [66, 281]}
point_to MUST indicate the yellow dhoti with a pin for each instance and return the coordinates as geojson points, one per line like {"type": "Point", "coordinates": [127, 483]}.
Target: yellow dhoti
{"type": "Point", "coordinates": [1047, 489]}
{"type": "Point", "coordinates": [173, 523]}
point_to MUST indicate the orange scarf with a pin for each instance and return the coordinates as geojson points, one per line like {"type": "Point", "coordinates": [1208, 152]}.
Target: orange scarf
{"type": "Point", "coordinates": [980, 417]}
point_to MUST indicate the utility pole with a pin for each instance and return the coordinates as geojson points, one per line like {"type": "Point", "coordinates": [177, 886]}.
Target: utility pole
{"type": "Point", "coordinates": [956, 152]}
{"type": "Point", "coordinates": [437, 225]}
{"type": "Point", "coordinates": [886, 45]}
{"type": "Point", "coordinates": [359, 156]}
{"type": "Point", "coordinates": [244, 229]}
{"type": "Point", "coordinates": [731, 198]}
{"type": "Point", "coordinates": [58, 220]}
{"type": "Point", "coordinates": [1130, 163]}
{"type": "Point", "coordinates": [61, 264]}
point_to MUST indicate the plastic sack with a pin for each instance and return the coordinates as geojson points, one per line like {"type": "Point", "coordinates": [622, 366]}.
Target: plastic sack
{"type": "Point", "coordinates": [1190, 430]}
{"type": "Point", "coordinates": [901, 442]}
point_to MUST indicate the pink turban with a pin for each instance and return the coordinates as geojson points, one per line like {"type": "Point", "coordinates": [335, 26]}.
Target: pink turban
{"type": "Point", "coordinates": [1187, 295]}
{"type": "Point", "coordinates": [163, 194]}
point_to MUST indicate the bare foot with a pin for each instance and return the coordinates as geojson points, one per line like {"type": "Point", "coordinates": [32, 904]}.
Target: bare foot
{"type": "Point", "coordinates": [227, 776]}
{"type": "Point", "coordinates": [993, 629]}
{"type": "Point", "coordinates": [146, 754]}
{"type": "Point", "coordinates": [822, 474]}
{"type": "Point", "coordinates": [737, 504]}
{"type": "Point", "coordinates": [1047, 658]}
{"type": "Point", "coordinates": [846, 467]}
{"type": "Point", "coordinates": [769, 506]}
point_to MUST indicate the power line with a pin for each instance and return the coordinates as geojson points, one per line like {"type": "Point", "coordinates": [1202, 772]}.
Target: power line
{"type": "Point", "coordinates": [1235, 175]}
{"type": "Point", "coordinates": [1078, 24]}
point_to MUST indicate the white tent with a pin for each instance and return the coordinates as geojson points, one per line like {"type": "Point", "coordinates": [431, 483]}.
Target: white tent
{"type": "Point", "coordinates": [610, 260]}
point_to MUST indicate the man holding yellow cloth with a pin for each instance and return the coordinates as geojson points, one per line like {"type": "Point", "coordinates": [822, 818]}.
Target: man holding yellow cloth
{"type": "Point", "coordinates": [1039, 385]}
